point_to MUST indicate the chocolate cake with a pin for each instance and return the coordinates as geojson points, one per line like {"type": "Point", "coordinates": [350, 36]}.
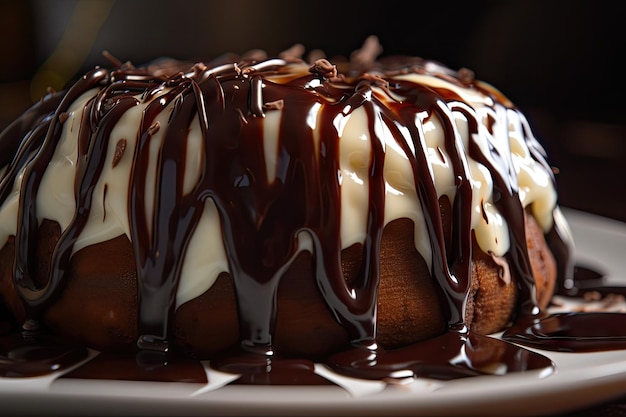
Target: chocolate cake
{"type": "Point", "coordinates": [268, 207]}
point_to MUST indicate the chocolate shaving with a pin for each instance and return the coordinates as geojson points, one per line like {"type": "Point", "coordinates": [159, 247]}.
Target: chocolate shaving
{"type": "Point", "coordinates": [120, 147]}
{"type": "Point", "coordinates": [255, 55]}
{"type": "Point", "coordinates": [365, 57]}
{"type": "Point", "coordinates": [340, 78]}
{"type": "Point", "coordinates": [63, 117]}
{"type": "Point", "coordinates": [466, 76]}
{"type": "Point", "coordinates": [104, 198]}
{"type": "Point", "coordinates": [295, 52]}
{"type": "Point", "coordinates": [112, 59]}
{"type": "Point", "coordinates": [375, 80]}
{"type": "Point", "coordinates": [198, 70]}
{"type": "Point", "coordinates": [324, 68]}
{"type": "Point", "coordinates": [154, 128]}
{"type": "Point", "coordinates": [315, 54]}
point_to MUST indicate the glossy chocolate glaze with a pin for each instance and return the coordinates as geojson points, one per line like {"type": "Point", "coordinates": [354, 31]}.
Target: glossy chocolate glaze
{"type": "Point", "coordinates": [262, 220]}
{"type": "Point", "coordinates": [30, 354]}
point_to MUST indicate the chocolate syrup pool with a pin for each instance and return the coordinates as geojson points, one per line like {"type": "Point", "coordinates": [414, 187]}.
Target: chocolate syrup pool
{"type": "Point", "coordinates": [452, 355]}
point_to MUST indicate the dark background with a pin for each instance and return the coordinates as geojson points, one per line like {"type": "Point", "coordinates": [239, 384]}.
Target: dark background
{"type": "Point", "coordinates": [559, 61]}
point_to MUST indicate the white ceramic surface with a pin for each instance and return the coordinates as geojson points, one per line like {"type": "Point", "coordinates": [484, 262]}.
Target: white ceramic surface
{"type": "Point", "coordinates": [580, 380]}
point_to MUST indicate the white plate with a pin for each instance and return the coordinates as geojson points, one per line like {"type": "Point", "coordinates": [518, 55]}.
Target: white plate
{"type": "Point", "coordinates": [580, 380]}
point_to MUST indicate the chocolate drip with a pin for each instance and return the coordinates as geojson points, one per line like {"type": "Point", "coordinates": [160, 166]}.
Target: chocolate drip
{"type": "Point", "coordinates": [499, 163]}
{"type": "Point", "coordinates": [562, 249]}
{"type": "Point", "coordinates": [450, 266]}
{"type": "Point", "coordinates": [264, 218]}
{"type": "Point", "coordinates": [159, 244]}
{"type": "Point", "coordinates": [32, 142]}
{"type": "Point", "coordinates": [26, 235]}
{"type": "Point", "coordinates": [353, 302]}
{"type": "Point", "coordinates": [20, 131]}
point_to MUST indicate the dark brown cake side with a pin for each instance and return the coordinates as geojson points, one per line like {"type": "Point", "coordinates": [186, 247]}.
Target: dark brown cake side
{"type": "Point", "coordinates": [98, 305]}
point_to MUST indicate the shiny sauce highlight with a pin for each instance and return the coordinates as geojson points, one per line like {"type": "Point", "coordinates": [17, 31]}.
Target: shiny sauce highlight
{"type": "Point", "coordinates": [261, 220]}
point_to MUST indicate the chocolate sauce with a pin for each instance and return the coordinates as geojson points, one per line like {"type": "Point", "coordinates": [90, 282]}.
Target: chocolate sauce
{"type": "Point", "coordinates": [36, 298]}
{"type": "Point", "coordinates": [258, 368]}
{"type": "Point", "coordinates": [30, 354]}
{"type": "Point", "coordinates": [571, 332]}
{"type": "Point", "coordinates": [141, 366]}
{"type": "Point", "coordinates": [575, 331]}
{"type": "Point", "coordinates": [261, 219]}
{"type": "Point", "coordinates": [452, 355]}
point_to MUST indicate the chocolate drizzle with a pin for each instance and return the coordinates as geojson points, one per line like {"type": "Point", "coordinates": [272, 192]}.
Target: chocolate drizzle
{"type": "Point", "coordinates": [264, 220]}
{"type": "Point", "coordinates": [36, 298]}
{"type": "Point", "coordinates": [451, 265]}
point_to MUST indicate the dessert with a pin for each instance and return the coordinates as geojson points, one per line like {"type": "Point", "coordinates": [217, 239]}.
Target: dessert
{"type": "Point", "coordinates": [277, 207]}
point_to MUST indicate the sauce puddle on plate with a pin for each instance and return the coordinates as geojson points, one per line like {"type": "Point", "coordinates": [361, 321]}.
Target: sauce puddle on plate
{"type": "Point", "coordinates": [452, 355]}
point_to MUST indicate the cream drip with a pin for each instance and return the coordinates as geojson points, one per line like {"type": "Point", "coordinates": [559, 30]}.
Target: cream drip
{"type": "Point", "coordinates": [206, 258]}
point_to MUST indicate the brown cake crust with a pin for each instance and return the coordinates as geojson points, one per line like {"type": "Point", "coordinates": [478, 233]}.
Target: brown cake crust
{"type": "Point", "coordinates": [542, 261]}
{"type": "Point", "coordinates": [98, 303]}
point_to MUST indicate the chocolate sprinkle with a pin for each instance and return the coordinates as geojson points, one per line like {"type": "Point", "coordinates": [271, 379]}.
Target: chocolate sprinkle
{"type": "Point", "coordinates": [120, 147]}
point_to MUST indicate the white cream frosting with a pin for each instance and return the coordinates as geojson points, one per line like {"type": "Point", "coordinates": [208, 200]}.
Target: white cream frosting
{"type": "Point", "coordinates": [206, 257]}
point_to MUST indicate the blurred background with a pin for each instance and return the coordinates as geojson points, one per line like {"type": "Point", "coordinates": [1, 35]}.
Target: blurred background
{"type": "Point", "coordinates": [558, 61]}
